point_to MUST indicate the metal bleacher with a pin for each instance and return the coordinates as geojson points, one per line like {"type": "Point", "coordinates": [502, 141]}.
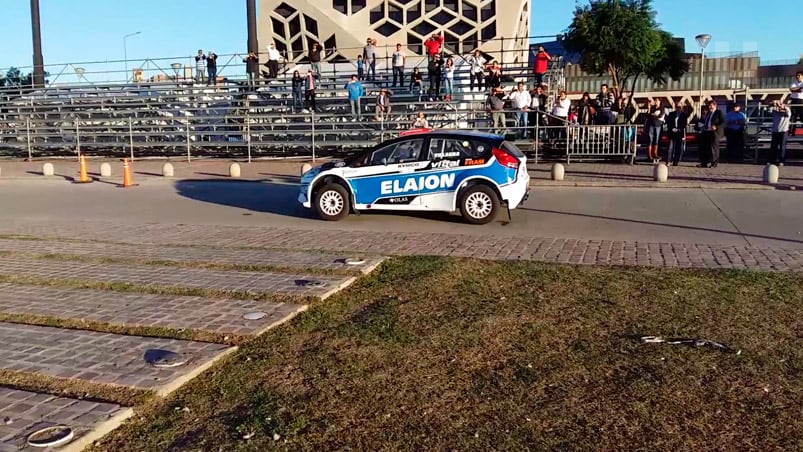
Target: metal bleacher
{"type": "Point", "coordinates": [179, 117]}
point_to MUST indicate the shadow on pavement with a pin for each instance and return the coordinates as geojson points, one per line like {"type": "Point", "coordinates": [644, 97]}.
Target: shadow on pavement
{"type": "Point", "coordinates": [668, 225]}
{"type": "Point", "coordinates": [266, 197]}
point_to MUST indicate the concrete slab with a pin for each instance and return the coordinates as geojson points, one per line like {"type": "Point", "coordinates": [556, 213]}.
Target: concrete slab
{"type": "Point", "coordinates": [151, 310]}
{"type": "Point", "coordinates": [23, 412]}
{"type": "Point", "coordinates": [100, 357]}
{"type": "Point", "coordinates": [174, 277]}
{"type": "Point", "coordinates": [303, 261]}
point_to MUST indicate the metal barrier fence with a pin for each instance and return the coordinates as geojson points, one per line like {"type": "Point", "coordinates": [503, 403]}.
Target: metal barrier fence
{"type": "Point", "coordinates": [572, 141]}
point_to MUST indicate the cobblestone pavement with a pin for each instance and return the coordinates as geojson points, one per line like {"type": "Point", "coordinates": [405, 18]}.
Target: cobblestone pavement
{"type": "Point", "coordinates": [137, 309]}
{"type": "Point", "coordinates": [22, 412]}
{"type": "Point", "coordinates": [96, 357]}
{"type": "Point", "coordinates": [304, 261]}
{"type": "Point", "coordinates": [599, 252]}
{"type": "Point", "coordinates": [175, 277]}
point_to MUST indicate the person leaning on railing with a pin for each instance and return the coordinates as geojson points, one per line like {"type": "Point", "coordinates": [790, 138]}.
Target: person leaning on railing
{"type": "Point", "coordinates": [560, 113]}
{"type": "Point", "coordinates": [796, 99]}
{"type": "Point", "coordinates": [251, 68]}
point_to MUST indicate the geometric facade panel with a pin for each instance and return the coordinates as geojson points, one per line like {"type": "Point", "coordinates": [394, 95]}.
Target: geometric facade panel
{"type": "Point", "coordinates": [466, 24]}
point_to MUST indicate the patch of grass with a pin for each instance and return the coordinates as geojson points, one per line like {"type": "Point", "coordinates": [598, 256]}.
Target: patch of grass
{"type": "Point", "coordinates": [76, 389]}
{"type": "Point", "coordinates": [156, 289]}
{"type": "Point", "coordinates": [129, 330]}
{"type": "Point", "coordinates": [186, 264]}
{"type": "Point", "coordinates": [442, 354]}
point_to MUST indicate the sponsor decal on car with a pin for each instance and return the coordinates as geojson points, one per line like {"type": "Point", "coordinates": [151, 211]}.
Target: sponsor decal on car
{"type": "Point", "coordinates": [414, 184]}
{"type": "Point", "coordinates": [446, 164]}
{"type": "Point", "coordinates": [470, 162]}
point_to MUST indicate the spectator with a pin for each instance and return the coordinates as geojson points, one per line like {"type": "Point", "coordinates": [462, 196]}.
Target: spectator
{"type": "Point", "coordinates": [369, 55]}
{"type": "Point", "coordinates": [315, 59]}
{"type": "Point", "coordinates": [585, 110]}
{"type": "Point", "coordinates": [398, 61]}
{"type": "Point", "coordinates": [496, 105]}
{"type": "Point", "coordinates": [676, 123]}
{"type": "Point", "coordinates": [355, 91]}
{"type": "Point", "coordinates": [200, 59]}
{"type": "Point", "coordinates": [383, 106]}
{"type": "Point", "coordinates": [433, 45]}
{"type": "Point", "coordinates": [735, 122]}
{"type": "Point", "coordinates": [420, 121]}
{"type": "Point", "coordinates": [494, 78]}
{"type": "Point", "coordinates": [360, 68]}
{"type": "Point", "coordinates": [797, 101]}
{"type": "Point", "coordinates": [780, 130]}
{"type": "Point", "coordinates": [654, 126]}
{"type": "Point", "coordinates": [211, 68]}
{"type": "Point", "coordinates": [560, 112]}
{"type": "Point", "coordinates": [521, 103]}
{"type": "Point", "coordinates": [415, 82]}
{"type": "Point", "coordinates": [298, 91]}
{"type": "Point", "coordinates": [435, 72]}
{"type": "Point", "coordinates": [251, 68]}
{"type": "Point", "coordinates": [712, 132]}
{"type": "Point", "coordinates": [448, 78]}
{"type": "Point", "coordinates": [309, 93]}
{"type": "Point", "coordinates": [605, 100]}
{"type": "Point", "coordinates": [273, 61]}
{"type": "Point", "coordinates": [477, 69]}
{"type": "Point", "coordinates": [538, 104]}
{"type": "Point", "coordinates": [542, 60]}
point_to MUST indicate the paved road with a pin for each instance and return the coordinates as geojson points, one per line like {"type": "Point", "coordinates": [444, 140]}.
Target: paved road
{"type": "Point", "coordinates": [756, 218]}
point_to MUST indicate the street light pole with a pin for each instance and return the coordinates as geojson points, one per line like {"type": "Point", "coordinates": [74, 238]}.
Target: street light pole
{"type": "Point", "coordinates": [702, 41]}
{"type": "Point", "coordinates": [125, 52]}
{"type": "Point", "coordinates": [38, 59]}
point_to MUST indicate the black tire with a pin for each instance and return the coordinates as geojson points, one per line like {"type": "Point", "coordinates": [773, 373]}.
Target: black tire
{"type": "Point", "coordinates": [479, 204]}
{"type": "Point", "coordinates": [327, 200]}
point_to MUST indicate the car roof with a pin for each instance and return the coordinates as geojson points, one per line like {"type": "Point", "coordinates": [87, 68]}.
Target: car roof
{"type": "Point", "coordinates": [455, 133]}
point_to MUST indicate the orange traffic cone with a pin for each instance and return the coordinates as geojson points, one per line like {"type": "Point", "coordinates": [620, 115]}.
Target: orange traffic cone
{"type": "Point", "coordinates": [128, 181]}
{"type": "Point", "coordinates": [83, 177]}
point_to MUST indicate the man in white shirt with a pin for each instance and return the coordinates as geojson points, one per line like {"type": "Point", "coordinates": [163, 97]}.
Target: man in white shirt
{"type": "Point", "coordinates": [398, 65]}
{"type": "Point", "coordinates": [796, 98]}
{"type": "Point", "coordinates": [520, 98]}
{"type": "Point", "coordinates": [560, 111]}
{"type": "Point", "coordinates": [273, 61]}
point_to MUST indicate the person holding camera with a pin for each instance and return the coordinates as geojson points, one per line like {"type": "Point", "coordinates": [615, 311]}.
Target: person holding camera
{"type": "Point", "coordinates": [780, 130]}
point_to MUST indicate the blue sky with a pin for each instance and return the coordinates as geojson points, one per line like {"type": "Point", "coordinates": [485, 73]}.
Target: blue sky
{"type": "Point", "coordinates": [93, 30]}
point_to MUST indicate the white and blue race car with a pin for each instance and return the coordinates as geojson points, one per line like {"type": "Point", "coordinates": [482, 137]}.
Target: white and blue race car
{"type": "Point", "coordinates": [422, 170]}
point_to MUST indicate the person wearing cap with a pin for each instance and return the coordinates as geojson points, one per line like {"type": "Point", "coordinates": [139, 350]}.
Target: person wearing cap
{"type": "Point", "coordinates": [735, 121]}
{"type": "Point", "coordinates": [369, 56]}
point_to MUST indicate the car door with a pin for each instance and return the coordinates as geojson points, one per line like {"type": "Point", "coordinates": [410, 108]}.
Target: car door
{"type": "Point", "coordinates": [387, 180]}
{"type": "Point", "coordinates": [451, 160]}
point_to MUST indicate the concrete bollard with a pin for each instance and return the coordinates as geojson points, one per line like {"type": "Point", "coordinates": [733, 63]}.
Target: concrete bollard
{"type": "Point", "coordinates": [305, 167]}
{"type": "Point", "coordinates": [771, 174]}
{"type": "Point", "coordinates": [661, 172]}
{"type": "Point", "coordinates": [1, 171]}
{"type": "Point", "coordinates": [558, 171]}
{"type": "Point", "coordinates": [48, 169]}
{"type": "Point", "coordinates": [167, 170]}
{"type": "Point", "coordinates": [105, 170]}
{"type": "Point", "coordinates": [234, 170]}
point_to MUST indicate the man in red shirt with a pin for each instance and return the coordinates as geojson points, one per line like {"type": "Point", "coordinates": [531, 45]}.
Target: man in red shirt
{"type": "Point", "coordinates": [433, 45]}
{"type": "Point", "coordinates": [540, 67]}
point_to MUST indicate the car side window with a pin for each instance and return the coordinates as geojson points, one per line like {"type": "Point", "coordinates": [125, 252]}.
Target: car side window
{"type": "Point", "coordinates": [456, 151]}
{"type": "Point", "coordinates": [401, 152]}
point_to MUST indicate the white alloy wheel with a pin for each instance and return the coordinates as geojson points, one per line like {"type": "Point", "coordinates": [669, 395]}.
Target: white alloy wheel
{"type": "Point", "coordinates": [478, 205]}
{"type": "Point", "coordinates": [331, 203]}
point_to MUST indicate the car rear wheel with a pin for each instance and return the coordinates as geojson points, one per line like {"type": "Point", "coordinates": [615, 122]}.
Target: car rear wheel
{"type": "Point", "coordinates": [332, 202]}
{"type": "Point", "coordinates": [479, 204]}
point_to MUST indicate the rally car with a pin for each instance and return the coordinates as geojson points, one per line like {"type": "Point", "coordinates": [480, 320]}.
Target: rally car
{"type": "Point", "coordinates": [422, 170]}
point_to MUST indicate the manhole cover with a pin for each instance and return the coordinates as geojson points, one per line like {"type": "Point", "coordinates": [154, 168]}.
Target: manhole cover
{"type": "Point", "coordinates": [51, 436]}
{"type": "Point", "coordinates": [164, 358]}
{"type": "Point", "coordinates": [355, 261]}
{"type": "Point", "coordinates": [310, 283]}
{"type": "Point", "coordinates": [254, 315]}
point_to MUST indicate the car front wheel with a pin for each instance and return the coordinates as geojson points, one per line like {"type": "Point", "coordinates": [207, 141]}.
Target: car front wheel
{"type": "Point", "coordinates": [479, 204]}
{"type": "Point", "coordinates": [332, 202]}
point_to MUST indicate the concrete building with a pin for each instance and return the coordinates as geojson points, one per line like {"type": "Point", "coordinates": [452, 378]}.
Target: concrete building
{"type": "Point", "coordinates": [498, 27]}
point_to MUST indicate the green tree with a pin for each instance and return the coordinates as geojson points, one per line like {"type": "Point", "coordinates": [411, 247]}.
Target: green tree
{"type": "Point", "coordinates": [622, 39]}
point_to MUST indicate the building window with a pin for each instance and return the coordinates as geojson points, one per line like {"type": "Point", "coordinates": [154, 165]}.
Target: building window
{"type": "Point", "coordinates": [340, 6]}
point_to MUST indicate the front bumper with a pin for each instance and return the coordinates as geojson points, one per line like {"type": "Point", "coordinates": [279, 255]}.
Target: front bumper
{"type": "Point", "coordinates": [303, 198]}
